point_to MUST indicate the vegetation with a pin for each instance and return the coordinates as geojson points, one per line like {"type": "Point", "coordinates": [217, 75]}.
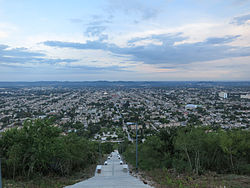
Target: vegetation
{"type": "Point", "coordinates": [50, 181]}
{"type": "Point", "coordinates": [169, 179]}
{"type": "Point", "coordinates": [39, 148]}
{"type": "Point", "coordinates": [195, 150]}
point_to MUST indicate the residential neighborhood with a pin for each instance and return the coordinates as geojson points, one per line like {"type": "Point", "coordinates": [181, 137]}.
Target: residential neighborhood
{"type": "Point", "coordinates": [111, 114]}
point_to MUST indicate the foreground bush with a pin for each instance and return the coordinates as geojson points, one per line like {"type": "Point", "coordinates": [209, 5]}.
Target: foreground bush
{"type": "Point", "coordinates": [196, 150]}
{"type": "Point", "coordinates": [39, 148]}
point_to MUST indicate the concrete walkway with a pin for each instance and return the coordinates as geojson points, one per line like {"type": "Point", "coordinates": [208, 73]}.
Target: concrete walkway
{"type": "Point", "coordinates": [111, 176]}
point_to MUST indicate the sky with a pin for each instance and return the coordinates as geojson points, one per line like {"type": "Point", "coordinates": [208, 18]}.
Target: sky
{"type": "Point", "coordinates": [130, 40]}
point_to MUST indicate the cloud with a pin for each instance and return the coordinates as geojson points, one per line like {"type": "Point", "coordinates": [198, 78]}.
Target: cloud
{"type": "Point", "coordinates": [17, 56]}
{"type": "Point", "coordinates": [167, 53]}
{"type": "Point", "coordinates": [26, 62]}
{"type": "Point", "coordinates": [97, 26]}
{"type": "Point", "coordinates": [145, 9]}
{"type": "Point", "coordinates": [6, 52]}
{"type": "Point", "coordinates": [94, 69]}
{"type": "Point", "coordinates": [169, 39]}
{"type": "Point", "coordinates": [100, 21]}
{"type": "Point", "coordinates": [221, 40]}
{"type": "Point", "coordinates": [96, 30]}
{"type": "Point", "coordinates": [211, 49]}
{"type": "Point", "coordinates": [2, 47]}
{"type": "Point", "coordinates": [19, 52]}
{"type": "Point", "coordinates": [93, 45]}
{"type": "Point", "coordinates": [240, 20]}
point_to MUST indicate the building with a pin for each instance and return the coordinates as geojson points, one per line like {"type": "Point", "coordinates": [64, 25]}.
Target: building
{"type": "Point", "coordinates": [247, 96]}
{"type": "Point", "coordinates": [223, 95]}
{"type": "Point", "coordinates": [191, 106]}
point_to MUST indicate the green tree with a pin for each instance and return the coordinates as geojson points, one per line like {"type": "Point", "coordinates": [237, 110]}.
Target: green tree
{"type": "Point", "coordinates": [39, 148]}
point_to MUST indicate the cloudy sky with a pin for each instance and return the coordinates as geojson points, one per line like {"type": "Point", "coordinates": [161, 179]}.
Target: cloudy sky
{"type": "Point", "coordinates": [159, 40]}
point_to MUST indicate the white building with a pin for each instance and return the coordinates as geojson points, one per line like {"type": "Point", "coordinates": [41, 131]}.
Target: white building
{"type": "Point", "coordinates": [247, 96]}
{"type": "Point", "coordinates": [191, 106]}
{"type": "Point", "coordinates": [223, 95]}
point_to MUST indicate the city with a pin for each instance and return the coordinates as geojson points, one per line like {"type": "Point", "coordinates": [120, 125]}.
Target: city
{"type": "Point", "coordinates": [111, 113]}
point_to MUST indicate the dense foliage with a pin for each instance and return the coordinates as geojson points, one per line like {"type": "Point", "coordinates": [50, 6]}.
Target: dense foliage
{"type": "Point", "coordinates": [190, 149]}
{"type": "Point", "coordinates": [40, 148]}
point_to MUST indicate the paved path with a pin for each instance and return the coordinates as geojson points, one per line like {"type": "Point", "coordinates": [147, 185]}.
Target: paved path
{"type": "Point", "coordinates": [112, 176]}
{"type": "Point", "coordinates": [129, 138]}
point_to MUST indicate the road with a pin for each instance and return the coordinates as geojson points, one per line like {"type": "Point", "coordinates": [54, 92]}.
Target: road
{"type": "Point", "coordinates": [129, 138]}
{"type": "Point", "coordinates": [111, 176]}
{"type": "Point", "coordinates": [154, 127]}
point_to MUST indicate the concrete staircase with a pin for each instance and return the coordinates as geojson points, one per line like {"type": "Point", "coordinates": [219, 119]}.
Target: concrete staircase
{"type": "Point", "coordinates": [112, 176]}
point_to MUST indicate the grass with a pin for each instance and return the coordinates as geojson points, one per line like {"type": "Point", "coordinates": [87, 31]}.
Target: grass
{"type": "Point", "coordinates": [169, 179]}
{"type": "Point", "coordinates": [52, 181]}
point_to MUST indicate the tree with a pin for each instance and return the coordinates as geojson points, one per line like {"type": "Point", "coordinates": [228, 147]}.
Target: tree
{"type": "Point", "coordinates": [39, 148]}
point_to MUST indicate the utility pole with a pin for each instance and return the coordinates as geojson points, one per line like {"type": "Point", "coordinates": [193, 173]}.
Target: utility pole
{"type": "Point", "coordinates": [122, 147]}
{"type": "Point", "coordinates": [136, 149]}
{"type": "Point", "coordinates": [100, 156]}
{"type": "Point", "coordinates": [0, 175]}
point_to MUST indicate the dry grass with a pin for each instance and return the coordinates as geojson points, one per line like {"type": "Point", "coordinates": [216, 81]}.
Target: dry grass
{"type": "Point", "coordinates": [51, 181]}
{"type": "Point", "coordinates": [169, 179]}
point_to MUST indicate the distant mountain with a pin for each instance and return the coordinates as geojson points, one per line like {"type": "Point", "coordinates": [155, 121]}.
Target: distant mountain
{"type": "Point", "coordinates": [125, 84]}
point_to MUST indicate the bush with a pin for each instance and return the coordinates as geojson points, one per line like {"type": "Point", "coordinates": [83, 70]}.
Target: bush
{"type": "Point", "coordinates": [181, 165]}
{"type": "Point", "coordinates": [195, 149]}
{"type": "Point", "coordinates": [39, 148]}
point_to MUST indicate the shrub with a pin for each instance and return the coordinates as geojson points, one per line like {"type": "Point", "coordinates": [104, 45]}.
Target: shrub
{"type": "Point", "coordinates": [39, 148]}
